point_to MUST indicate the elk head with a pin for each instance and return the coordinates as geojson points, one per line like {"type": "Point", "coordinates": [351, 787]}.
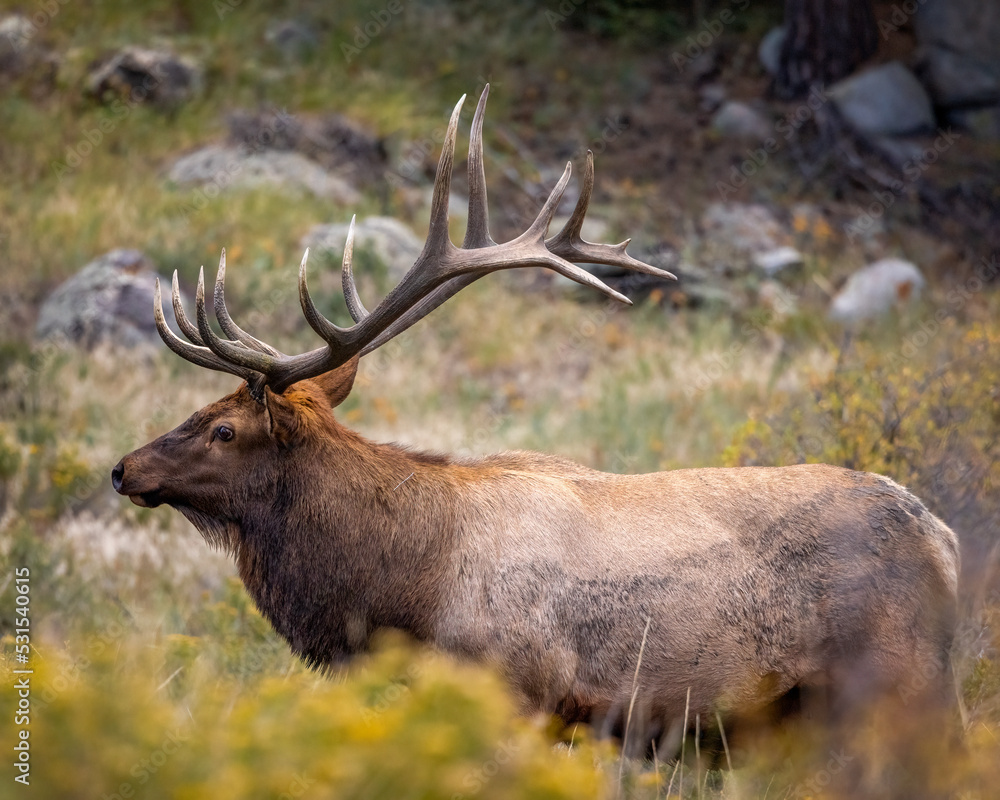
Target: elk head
{"type": "Point", "coordinates": [225, 459]}
{"type": "Point", "coordinates": [229, 456]}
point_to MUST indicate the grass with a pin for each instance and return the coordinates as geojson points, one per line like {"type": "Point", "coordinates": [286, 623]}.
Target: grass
{"type": "Point", "coordinates": [140, 633]}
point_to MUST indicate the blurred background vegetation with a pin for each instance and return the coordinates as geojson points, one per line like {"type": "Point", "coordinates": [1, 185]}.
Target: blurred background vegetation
{"type": "Point", "coordinates": [154, 675]}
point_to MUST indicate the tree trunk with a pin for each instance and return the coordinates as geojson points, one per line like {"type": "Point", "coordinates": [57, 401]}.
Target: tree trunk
{"type": "Point", "coordinates": [825, 40]}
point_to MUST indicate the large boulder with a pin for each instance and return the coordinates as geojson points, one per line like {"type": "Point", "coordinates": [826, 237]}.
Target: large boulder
{"type": "Point", "coordinates": [746, 228]}
{"type": "Point", "coordinates": [22, 52]}
{"type": "Point", "coordinates": [769, 49]}
{"type": "Point", "coordinates": [332, 140]}
{"type": "Point", "coordinates": [737, 120]}
{"type": "Point", "coordinates": [218, 167]}
{"type": "Point", "coordinates": [958, 55]}
{"type": "Point", "coordinates": [390, 240]}
{"type": "Point", "coordinates": [294, 39]}
{"type": "Point", "coordinates": [877, 289]}
{"type": "Point", "coordinates": [144, 75]}
{"type": "Point", "coordinates": [886, 100]}
{"type": "Point", "coordinates": [17, 40]}
{"type": "Point", "coordinates": [780, 259]}
{"type": "Point", "coordinates": [109, 300]}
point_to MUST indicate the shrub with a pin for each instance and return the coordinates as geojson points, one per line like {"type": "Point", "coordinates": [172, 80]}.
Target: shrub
{"type": "Point", "coordinates": [402, 723]}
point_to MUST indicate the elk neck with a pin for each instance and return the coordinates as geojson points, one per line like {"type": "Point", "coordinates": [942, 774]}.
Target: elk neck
{"type": "Point", "coordinates": [353, 536]}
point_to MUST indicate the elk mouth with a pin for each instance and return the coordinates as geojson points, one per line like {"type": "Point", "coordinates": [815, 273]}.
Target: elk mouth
{"type": "Point", "coordinates": [147, 499]}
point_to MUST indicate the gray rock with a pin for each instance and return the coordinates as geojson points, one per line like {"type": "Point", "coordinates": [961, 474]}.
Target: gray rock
{"type": "Point", "coordinates": [241, 167]}
{"type": "Point", "coordinates": [16, 38]}
{"type": "Point", "coordinates": [711, 96]}
{"type": "Point", "coordinates": [704, 65]}
{"type": "Point", "coordinates": [877, 289]}
{"type": "Point", "coordinates": [16, 32]}
{"type": "Point", "coordinates": [738, 120]}
{"type": "Point", "coordinates": [956, 80]}
{"type": "Point", "coordinates": [337, 143]}
{"type": "Point", "coordinates": [886, 100]}
{"type": "Point", "coordinates": [769, 50]}
{"type": "Point", "coordinates": [144, 75]}
{"type": "Point", "coordinates": [21, 51]}
{"type": "Point", "coordinates": [743, 227]}
{"type": "Point", "coordinates": [109, 300]}
{"type": "Point", "coordinates": [958, 55]}
{"type": "Point", "coordinates": [393, 243]}
{"type": "Point", "coordinates": [771, 262]}
{"type": "Point", "coordinates": [295, 40]}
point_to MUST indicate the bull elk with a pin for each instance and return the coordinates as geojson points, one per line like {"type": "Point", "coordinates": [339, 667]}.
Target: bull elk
{"type": "Point", "coordinates": [737, 585]}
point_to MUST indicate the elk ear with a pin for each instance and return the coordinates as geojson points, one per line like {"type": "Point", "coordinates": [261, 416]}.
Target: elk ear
{"type": "Point", "coordinates": [337, 383]}
{"type": "Point", "coordinates": [282, 417]}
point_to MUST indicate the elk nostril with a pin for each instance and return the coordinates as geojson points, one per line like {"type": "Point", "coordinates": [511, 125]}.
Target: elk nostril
{"type": "Point", "coordinates": [117, 474]}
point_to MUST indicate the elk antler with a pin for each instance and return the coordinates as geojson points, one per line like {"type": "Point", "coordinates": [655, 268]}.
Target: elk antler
{"type": "Point", "coordinates": [439, 272]}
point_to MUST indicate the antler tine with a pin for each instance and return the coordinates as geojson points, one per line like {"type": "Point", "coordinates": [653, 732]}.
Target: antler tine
{"type": "Point", "coordinates": [354, 305]}
{"type": "Point", "coordinates": [327, 331]}
{"type": "Point", "coordinates": [437, 235]}
{"type": "Point", "coordinates": [201, 356]}
{"type": "Point", "coordinates": [535, 235]}
{"type": "Point", "coordinates": [230, 328]}
{"type": "Point", "coordinates": [540, 226]}
{"type": "Point", "coordinates": [231, 352]}
{"type": "Point", "coordinates": [569, 244]}
{"type": "Point", "coordinates": [477, 233]}
{"type": "Point", "coordinates": [186, 326]}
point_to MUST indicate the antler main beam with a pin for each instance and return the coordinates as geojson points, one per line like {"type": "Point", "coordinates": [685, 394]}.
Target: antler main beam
{"type": "Point", "coordinates": [440, 271]}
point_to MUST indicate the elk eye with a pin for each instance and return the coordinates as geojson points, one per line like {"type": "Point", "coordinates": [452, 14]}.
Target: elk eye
{"type": "Point", "coordinates": [224, 432]}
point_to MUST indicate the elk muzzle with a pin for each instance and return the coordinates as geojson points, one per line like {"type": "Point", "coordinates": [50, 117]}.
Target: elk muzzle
{"type": "Point", "coordinates": [124, 482]}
